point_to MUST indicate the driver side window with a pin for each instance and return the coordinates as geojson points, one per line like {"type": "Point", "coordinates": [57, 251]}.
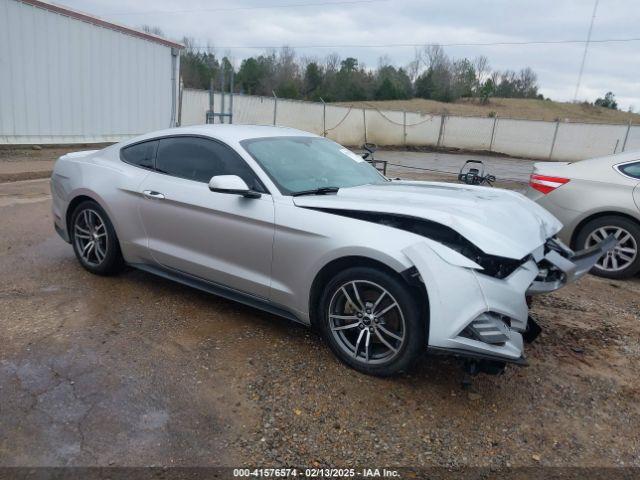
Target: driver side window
{"type": "Point", "coordinates": [199, 159]}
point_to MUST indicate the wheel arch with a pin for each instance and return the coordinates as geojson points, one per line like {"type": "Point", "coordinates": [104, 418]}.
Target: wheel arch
{"type": "Point", "coordinates": [594, 216]}
{"type": "Point", "coordinates": [325, 274]}
{"type": "Point", "coordinates": [83, 196]}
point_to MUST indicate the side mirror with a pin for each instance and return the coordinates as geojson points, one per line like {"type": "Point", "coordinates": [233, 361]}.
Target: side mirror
{"type": "Point", "coordinates": [231, 184]}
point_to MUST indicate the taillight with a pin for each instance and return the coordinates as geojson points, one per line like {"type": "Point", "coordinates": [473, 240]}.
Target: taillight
{"type": "Point", "coordinates": [546, 184]}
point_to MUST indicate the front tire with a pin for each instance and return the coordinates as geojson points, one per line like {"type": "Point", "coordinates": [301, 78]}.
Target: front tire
{"type": "Point", "coordinates": [94, 239]}
{"type": "Point", "coordinates": [371, 321]}
{"type": "Point", "coordinates": [624, 260]}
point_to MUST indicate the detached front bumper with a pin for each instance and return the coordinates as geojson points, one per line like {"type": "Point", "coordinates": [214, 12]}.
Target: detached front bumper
{"type": "Point", "coordinates": [561, 265]}
{"type": "Point", "coordinates": [474, 315]}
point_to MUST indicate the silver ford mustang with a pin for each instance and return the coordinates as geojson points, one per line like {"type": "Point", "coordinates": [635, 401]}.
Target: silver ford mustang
{"type": "Point", "coordinates": [300, 226]}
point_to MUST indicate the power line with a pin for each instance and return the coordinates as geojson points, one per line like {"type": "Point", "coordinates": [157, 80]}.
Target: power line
{"type": "Point", "coordinates": [586, 48]}
{"type": "Point", "coordinates": [257, 7]}
{"type": "Point", "coordinates": [402, 45]}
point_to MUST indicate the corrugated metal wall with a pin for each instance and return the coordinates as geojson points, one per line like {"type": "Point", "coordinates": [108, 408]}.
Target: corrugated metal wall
{"type": "Point", "coordinates": [63, 80]}
{"type": "Point", "coordinates": [524, 138]}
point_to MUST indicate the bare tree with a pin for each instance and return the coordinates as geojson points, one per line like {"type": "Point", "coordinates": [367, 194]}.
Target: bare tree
{"type": "Point", "coordinates": [434, 56]}
{"type": "Point", "coordinates": [332, 62]}
{"type": "Point", "coordinates": [413, 68]}
{"type": "Point", "coordinates": [153, 30]}
{"type": "Point", "coordinates": [482, 68]}
{"type": "Point", "coordinates": [384, 61]}
{"type": "Point", "coordinates": [189, 44]}
{"type": "Point", "coordinates": [287, 65]}
{"type": "Point", "coordinates": [305, 60]}
{"type": "Point", "coordinates": [528, 82]}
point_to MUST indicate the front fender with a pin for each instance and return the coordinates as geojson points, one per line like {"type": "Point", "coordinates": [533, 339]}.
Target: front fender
{"type": "Point", "coordinates": [460, 295]}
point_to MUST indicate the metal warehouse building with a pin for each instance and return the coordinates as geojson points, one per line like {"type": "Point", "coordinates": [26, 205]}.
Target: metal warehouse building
{"type": "Point", "coordinates": [68, 77]}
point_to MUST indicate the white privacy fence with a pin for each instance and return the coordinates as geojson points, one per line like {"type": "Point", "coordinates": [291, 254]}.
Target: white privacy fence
{"type": "Point", "coordinates": [354, 126]}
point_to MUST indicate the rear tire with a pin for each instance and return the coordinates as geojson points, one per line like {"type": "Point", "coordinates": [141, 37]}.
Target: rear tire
{"type": "Point", "coordinates": [94, 239]}
{"type": "Point", "coordinates": [624, 260]}
{"type": "Point", "coordinates": [371, 321]}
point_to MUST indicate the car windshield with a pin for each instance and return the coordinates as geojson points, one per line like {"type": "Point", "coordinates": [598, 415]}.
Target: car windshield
{"type": "Point", "coordinates": [301, 164]}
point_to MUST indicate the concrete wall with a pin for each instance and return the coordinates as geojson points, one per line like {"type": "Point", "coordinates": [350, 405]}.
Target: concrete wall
{"type": "Point", "coordinates": [64, 80]}
{"type": "Point", "coordinates": [350, 126]}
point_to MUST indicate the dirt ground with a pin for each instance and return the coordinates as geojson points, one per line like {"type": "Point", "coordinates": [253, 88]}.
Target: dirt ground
{"type": "Point", "coordinates": [136, 370]}
{"type": "Point", "coordinates": [520, 108]}
{"type": "Point", "coordinates": [29, 163]}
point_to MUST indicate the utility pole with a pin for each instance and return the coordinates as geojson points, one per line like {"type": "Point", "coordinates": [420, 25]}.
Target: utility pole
{"type": "Point", "coordinates": [275, 106]}
{"type": "Point", "coordinates": [586, 48]}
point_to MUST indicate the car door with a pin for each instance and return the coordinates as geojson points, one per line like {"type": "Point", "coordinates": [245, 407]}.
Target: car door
{"type": "Point", "coordinates": [220, 237]}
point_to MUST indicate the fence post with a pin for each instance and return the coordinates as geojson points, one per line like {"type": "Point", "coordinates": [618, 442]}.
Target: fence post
{"type": "Point", "coordinates": [364, 123]}
{"type": "Point", "coordinates": [211, 103]}
{"type": "Point", "coordinates": [180, 91]}
{"type": "Point", "coordinates": [553, 142]}
{"type": "Point", "coordinates": [626, 136]}
{"type": "Point", "coordinates": [275, 106]}
{"type": "Point", "coordinates": [441, 132]}
{"type": "Point", "coordinates": [222, 82]}
{"type": "Point", "coordinates": [231, 87]}
{"type": "Point", "coordinates": [404, 128]}
{"type": "Point", "coordinates": [324, 118]}
{"type": "Point", "coordinates": [493, 133]}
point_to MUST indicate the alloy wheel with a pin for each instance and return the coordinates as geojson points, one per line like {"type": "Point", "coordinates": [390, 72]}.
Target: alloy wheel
{"type": "Point", "coordinates": [90, 237]}
{"type": "Point", "coordinates": [367, 322]}
{"type": "Point", "coordinates": [622, 255]}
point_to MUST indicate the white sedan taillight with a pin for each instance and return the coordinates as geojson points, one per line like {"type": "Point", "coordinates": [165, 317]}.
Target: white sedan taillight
{"type": "Point", "coordinates": [546, 184]}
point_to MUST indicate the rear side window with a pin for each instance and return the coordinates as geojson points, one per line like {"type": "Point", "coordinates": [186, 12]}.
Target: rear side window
{"type": "Point", "coordinates": [631, 169]}
{"type": "Point", "coordinates": [140, 154]}
{"type": "Point", "coordinates": [200, 159]}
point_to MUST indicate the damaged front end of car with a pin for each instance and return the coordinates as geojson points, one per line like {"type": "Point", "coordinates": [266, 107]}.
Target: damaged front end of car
{"type": "Point", "coordinates": [481, 312]}
{"type": "Point", "coordinates": [479, 302]}
{"type": "Point", "coordinates": [561, 265]}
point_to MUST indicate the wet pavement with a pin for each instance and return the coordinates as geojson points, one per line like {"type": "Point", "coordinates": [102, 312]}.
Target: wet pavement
{"type": "Point", "coordinates": [136, 370]}
{"type": "Point", "coordinates": [94, 370]}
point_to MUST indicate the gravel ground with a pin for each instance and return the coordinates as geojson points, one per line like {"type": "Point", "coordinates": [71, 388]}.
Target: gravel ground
{"type": "Point", "coordinates": [136, 370]}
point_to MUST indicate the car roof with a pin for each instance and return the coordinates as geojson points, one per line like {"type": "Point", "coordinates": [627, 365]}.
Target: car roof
{"type": "Point", "coordinates": [226, 132]}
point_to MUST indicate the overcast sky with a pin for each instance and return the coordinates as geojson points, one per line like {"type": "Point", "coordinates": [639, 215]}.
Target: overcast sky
{"type": "Point", "coordinates": [222, 24]}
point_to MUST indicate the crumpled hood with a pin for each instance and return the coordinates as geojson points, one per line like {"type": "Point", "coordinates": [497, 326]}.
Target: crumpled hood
{"type": "Point", "coordinates": [499, 222]}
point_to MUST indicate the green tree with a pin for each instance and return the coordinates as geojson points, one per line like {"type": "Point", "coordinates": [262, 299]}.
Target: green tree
{"type": "Point", "coordinates": [349, 65]}
{"type": "Point", "coordinates": [312, 81]}
{"type": "Point", "coordinates": [197, 68]}
{"type": "Point", "coordinates": [392, 84]}
{"type": "Point", "coordinates": [486, 91]}
{"type": "Point", "coordinates": [609, 101]}
{"type": "Point", "coordinates": [250, 75]}
{"type": "Point", "coordinates": [463, 78]}
{"type": "Point", "coordinates": [386, 90]}
{"type": "Point", "coordinates": [351, 82]}
{"type": "Point", "coordinates": [287, 89]}
{"type": "Point", "coordinates": [281, 71]}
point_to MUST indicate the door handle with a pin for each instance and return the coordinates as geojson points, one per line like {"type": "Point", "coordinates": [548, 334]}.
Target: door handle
{"type": "Point", "coordinates": [153, 194]}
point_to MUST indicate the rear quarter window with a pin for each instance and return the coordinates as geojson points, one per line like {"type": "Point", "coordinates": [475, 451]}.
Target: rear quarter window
{"type": "Point", "coordinates": [141, 154]}
{"type": "Point", "coordinates": [631, 169]}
